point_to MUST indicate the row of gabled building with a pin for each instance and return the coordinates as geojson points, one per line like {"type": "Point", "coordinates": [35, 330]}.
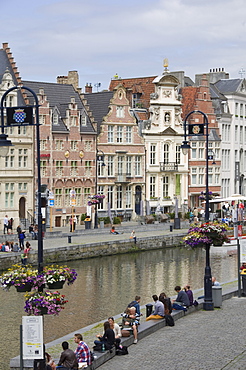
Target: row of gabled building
{"type": "Point", "coordinates": [123, 143]}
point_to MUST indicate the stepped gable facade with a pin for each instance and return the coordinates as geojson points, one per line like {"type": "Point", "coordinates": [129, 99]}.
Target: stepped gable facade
{"type": "Point", "coordinates": [121, 174]}
{"type": "Point", "coordinates": [67, 144]}
{"type": "Point", "coordinates": [16, 169]}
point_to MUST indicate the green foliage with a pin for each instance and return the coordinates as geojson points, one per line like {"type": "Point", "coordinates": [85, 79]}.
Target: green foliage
{"type": "Point", "coordinates": [105, 219]}
{"type": "Point", "coordinates": [187, 215]}
{"type": "Point", "coordinates": [116, 221]}
{"type": "Point", "coordinates": [83, 217]}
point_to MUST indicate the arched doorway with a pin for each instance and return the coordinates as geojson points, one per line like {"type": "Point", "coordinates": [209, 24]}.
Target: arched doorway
{"type": "Point", "coordinates": [22, 208]}
{"type": "Point", "coordinates": [138, 199]}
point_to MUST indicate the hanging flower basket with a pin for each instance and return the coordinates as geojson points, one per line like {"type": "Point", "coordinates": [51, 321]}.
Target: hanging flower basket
{"type": "Point", "coordinates": [56, 285]}
{"type": "Point", "coordinates": [22, 278]}
{"type": "Point", "coordinates": [206, 234]}
{"type": "Point", "coordinates": [59, 274]}
{"type": "Point", "coordinates": [50, 303]}
{"type": "Point", "coordinates": [24, 288]}
{"type": "Point", "coordinates": [95, 199]}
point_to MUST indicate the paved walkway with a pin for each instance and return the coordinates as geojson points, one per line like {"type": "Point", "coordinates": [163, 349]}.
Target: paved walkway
{"type": "Point", "coordinates": [211, 340]}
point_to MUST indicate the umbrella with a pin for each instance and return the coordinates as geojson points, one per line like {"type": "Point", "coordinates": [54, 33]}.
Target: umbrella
{"type": "Point", "coordinates": [233, 197]}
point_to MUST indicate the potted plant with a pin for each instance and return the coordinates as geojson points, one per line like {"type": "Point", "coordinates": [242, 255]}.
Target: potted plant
{"type": "Point", "coordinates": [44, 303]}
{"type": "Point", "coordinates": [24, 279]}
{"type": "Point", "coordinates": [56, 276]}
{"type": "Point", "coordinates": [206, 234]}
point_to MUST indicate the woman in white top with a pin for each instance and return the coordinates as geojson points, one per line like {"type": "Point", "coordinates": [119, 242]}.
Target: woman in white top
{"type": "Point", "coordinates": [116, 329]}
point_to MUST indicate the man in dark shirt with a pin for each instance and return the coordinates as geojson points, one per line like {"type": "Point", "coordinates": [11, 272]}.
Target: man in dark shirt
{"type": "Point", "coordinates": [182, 297]}
{"type": "Point", "coordinates": [68, 358]}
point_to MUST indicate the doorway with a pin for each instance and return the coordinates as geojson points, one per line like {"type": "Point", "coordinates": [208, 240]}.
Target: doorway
{"type": "Point", "coordinates": [22, 208]}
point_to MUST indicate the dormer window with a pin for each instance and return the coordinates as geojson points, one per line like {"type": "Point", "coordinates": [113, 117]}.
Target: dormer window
{"type": "Point", "coordinates": [55, 119]}
{"type": "Point", "coordinates": [120, 113]}
{"type": "Point", "coordinates": [83, 119]}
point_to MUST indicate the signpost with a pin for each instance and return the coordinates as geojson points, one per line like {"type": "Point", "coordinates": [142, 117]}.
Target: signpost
{"type": "Point", "coordinates": [72, 203]}
{"type": "Point", "coordinates": [51, 203]}
{"type": "Point", "coordinates": [32, 337]}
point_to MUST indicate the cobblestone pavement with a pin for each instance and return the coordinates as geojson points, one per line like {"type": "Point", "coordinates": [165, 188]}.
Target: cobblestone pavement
{"type": "Point", "coordinates": [211, 340]}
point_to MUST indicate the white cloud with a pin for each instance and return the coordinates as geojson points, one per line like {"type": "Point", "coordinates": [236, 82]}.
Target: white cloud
{"type": "Point", "coordinates": [99, 38]}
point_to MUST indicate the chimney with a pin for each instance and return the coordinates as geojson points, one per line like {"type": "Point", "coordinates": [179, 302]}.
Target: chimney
{"type": "Point", "coordinates": [88, 88]}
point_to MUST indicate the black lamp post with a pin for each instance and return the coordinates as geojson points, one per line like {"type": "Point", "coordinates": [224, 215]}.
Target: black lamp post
{"type": "Point", "coordinates": [99, 158]}
{"type": "Point", "coordinates": [25, 118]}
{"type": "Point", "coordinates": [194, 130]}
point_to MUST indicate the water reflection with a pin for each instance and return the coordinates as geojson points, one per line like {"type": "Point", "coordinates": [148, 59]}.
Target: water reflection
{"type": "Point", "coordinates": [106, 285]}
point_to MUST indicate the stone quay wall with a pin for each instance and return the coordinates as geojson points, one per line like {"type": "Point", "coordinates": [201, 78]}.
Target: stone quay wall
{"type": "Point", "coordinates": [106, 248]}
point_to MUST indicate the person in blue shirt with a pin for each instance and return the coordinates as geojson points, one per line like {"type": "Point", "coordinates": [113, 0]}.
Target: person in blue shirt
{"type": "Point", "coordinates": [136, 304]}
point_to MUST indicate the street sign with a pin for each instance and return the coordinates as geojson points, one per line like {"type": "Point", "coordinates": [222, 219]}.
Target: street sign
{"type": "Point", "coordinates": [51, 195]}
{"type": "Point", "coordinates": [73, 201]}
{"type": "Point", "coordinates": [51, 202]}
{"type": "Point", "coordinates": [72, 194]}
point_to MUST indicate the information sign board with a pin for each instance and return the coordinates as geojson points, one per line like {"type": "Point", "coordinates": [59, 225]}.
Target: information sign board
{"type": "Point", "coordinates": [32, 336]}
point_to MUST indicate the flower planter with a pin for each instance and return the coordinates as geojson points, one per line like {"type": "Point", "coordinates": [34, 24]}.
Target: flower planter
{"type": "Point", "coordinates": [24, 288]}
{"type": "Point", "coordinates": [56, 285]}
{"type": "Point", "coordinates": [43, 310]}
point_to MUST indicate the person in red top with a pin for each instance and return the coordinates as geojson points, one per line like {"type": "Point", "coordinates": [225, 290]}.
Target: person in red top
{"type": "Point", "coordinates": [82, 352]}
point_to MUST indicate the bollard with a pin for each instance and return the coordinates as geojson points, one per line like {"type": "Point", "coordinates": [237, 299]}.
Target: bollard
{"type": "Point", "coordinates": [148, 309]}
{"type": "Point", "coordinates": [171, 228]}
{"type": "Point", "coordinates": [69, 239]}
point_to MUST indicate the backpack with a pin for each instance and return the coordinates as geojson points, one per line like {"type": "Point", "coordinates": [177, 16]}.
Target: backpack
{"type": "Point", "coordinates": [122, 350]}
{"type": "Point", "coordinates": [169, 320]}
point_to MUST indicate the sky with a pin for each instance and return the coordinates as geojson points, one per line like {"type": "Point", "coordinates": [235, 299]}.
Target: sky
{"type": "Point", "coordinates": [130, 38]}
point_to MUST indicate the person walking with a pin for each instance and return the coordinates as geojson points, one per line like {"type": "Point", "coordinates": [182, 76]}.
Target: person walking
{"type": "Point", "coordinates": [5, 224]}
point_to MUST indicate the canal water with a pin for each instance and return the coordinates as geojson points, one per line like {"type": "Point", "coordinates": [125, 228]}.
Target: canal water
{"type": "Point", "coordinates": [105, 286]}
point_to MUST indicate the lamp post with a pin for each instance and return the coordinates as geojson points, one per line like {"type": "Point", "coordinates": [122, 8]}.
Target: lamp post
{"type": "Point", "coordinates": [99, 158]}
{"type": "Point", "coordinates": [25, 118]}
{"type": "Point", "coordinates": [194, 130]}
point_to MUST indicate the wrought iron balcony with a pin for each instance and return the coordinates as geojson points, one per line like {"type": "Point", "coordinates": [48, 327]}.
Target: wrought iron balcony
{"type": "Point", "coordinates": [168, 167]}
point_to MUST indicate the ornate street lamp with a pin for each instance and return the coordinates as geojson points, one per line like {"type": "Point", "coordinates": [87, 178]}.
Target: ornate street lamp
{"type": "Point", "coordinates": [100, 159]}
{"type": "Point", "coordinates": [195, 130]}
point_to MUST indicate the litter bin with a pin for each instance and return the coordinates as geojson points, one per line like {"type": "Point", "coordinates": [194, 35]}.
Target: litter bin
{"type": "Point", "coordinates": [88, 225]}
{"type": "Point", "coordinates": [149, 307]}
{"type": "Point", "coordinates": [69, 239]}
{"type": "Point", "coordinates": [101, 224]}
{"type": "Point", "coordinates": [171, 228]}
{"type": "Point", "coordinates": [217, 296]}
{"type": "Point", "coordinates": [243, 273]}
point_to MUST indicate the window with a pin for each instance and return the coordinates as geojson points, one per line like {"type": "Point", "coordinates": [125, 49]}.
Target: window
{"type": "Point", "coordinates": [119, 134]}
{"type": "Point", "coordinates": [100, 191]}
{"type": "Point", "coordinates": [178, 154]}
{"type": "Point", "coordinates": [210, 175]}
{"type": "Point", "coordinates": [59, 168]}
{"type": "Point", "coordinates": [152, 187]}
{"type": "Point", "coordinates": [9, 160]}
{"type": "Point", "coordinates": [201, 176]}
{"type": "Point", "coordinates": [83, 119]}
{"type": "Point", "coordinates": [100, 168]}
{"type": "Point", "coordinates": [74, 145]}
{"type": "Point", "coordinates": [88, 168]}
{"type": "Point", "coordinates": [120, 165]}
{"type": "Point", "coordinates": [55, 119]}
{"type": "Point", "coordinates": [166, 153]}
{"type": "Point", "coordinates": [138, 165]}
{"type": "Point", "coordinates": [42, 144]}
{"type": "Point", "coordinates": [236, 109]}
{"type": "Point", "coordinates": [21, 130]}
{"type": "Point", "coordinates": [74, 168]}
{"type": "Point", "coordinates": [88, 145]}
{"type": "Point", "coordinates": [78, 196]}
{"type": "Point", "coordinates": [9, 195]}
{"type": "Point", "coordinates": [201, 153]}
{"type": "Point", "coordinates": [58, 197]}
{"type": "Point", "coordinates": [119, 197]}
{"type": "Point", "coordinates": [236, 133]}
{"type": "Point", "coordinates": [193, 150]}
{"type": "Point", "coordinates": [128, 197]}
{"type": "Point", "coordinates": [241, 134]}
{"type": "Point", "coordinates": [59, 144]}
{"type": "Point", "coordinates": [87, 192]}
{"type": "Point", "coordinates": [128, 134]}
{"type": "Point", "coordinates": [110, 134]}
{"type": "Point", "coordinates": [43, 168]}
{"type": "Point", "coordinates": [152, 154]}
{"type": "Point", "coordinates": [165, 186]}
{"type": "Point", "coordinates": [22, 158]}
{"type": "Point", "coordinates": [110, 196]}
{"type": "Point", "coordinates": [241, 110]}
{"type": "Point", "coordinates": [120, 112]}
{"type": "Point", "coordinates": [128, 165]}
{"type": "Point", "coordinates": [193, 176]}
{"type": "Point", "coordinates": [67, 197]}
{"type": "Point", "coordinates": [110, 165]}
